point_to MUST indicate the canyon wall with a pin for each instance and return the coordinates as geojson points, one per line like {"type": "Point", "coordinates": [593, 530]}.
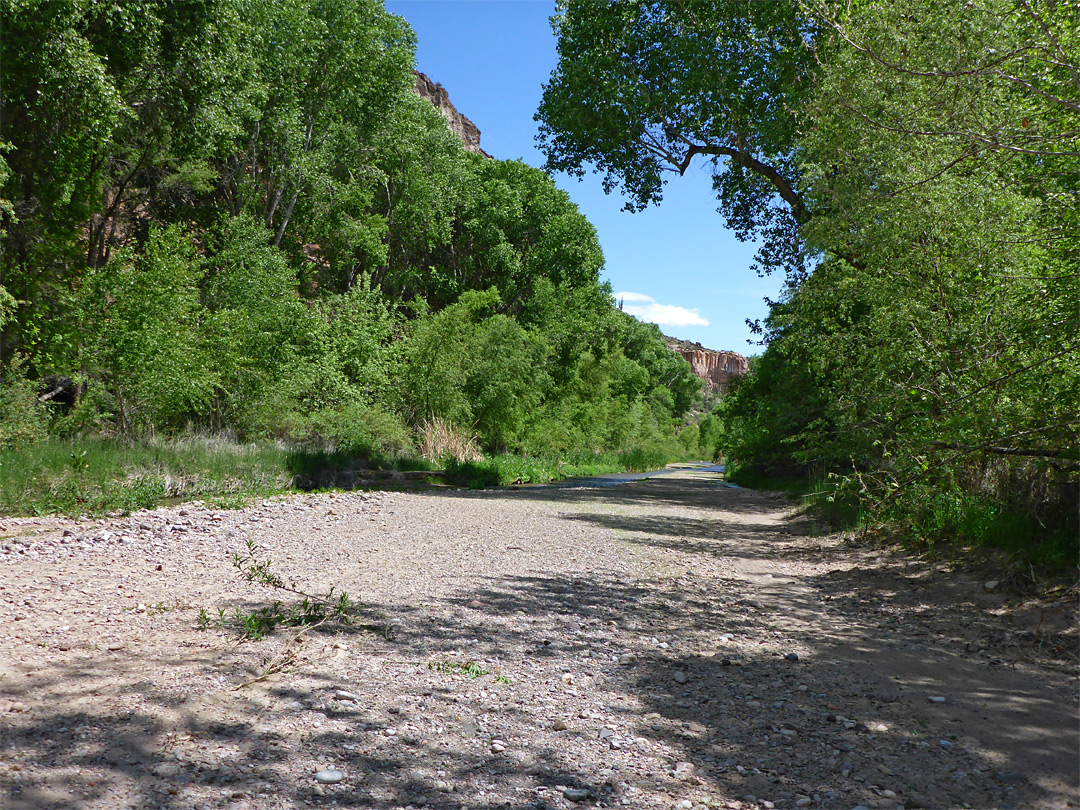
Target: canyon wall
{"type": "Point", "coordinates": [458, 123]}
{"type": "Point", "coordinates": [716, 368]}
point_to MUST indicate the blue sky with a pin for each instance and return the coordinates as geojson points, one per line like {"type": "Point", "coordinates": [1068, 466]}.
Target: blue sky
{"type": "Point", "coordinates": [676, 264]}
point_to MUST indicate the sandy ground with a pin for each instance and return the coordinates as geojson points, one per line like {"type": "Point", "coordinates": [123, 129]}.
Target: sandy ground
{"type": "Point", "coordinates": [671, 643]}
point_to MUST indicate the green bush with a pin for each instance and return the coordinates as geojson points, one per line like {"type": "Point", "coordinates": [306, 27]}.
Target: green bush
{"type": "Point", "coordinates": [23, 418]}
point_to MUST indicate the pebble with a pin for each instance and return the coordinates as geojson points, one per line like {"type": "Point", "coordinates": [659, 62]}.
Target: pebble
{"type": "Point", "coordinates": [685, 804]}
{"type": "Point", "coordinates": [681, 677]}
{"type": "Point", "coordinates": [343, 695]}
{"type": "Point", "coordinates": [991, 584]}
{"type": "Point", "coordinates": [936, 699]}
{"type": "Point", "coordinates": [560, 725]}
{"type": "Point", "coordinates": [791, 656]}
{"type": "Point", "coordinates": [498, 746]}
{"type": "Point", "coordinates": [945, 744]}
{"type": "Point", "coordinates": [576, 794]}
{"type": "Point", "coordinates": [331, 776]}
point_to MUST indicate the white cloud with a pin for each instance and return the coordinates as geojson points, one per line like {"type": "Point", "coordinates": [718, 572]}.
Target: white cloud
{"type": "Point", "coordinates": [646, 308]}
{"type": "Point", "coordinates": [632, 296]}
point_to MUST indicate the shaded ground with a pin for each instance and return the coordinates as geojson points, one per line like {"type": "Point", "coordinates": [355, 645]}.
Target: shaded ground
{"type": "Point", "coordinates": [637, 642]}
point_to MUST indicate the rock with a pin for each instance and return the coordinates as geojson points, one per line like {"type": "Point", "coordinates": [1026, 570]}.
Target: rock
{"type": "Point", "coordinates": [1009, 776]}
{"type": "Point", "coordinates": [685, 804]}
{"type": "Point", "coordinates": [560, 725]}
{"type": "Point", "coordinates": [791, 657]}
{"type": "Point", "coordinates": [945, 744]}
{"type": "Point", "coordinates": [343, 695]}
{"type": "Point", "coordinates": [803, 801]}
{"type": "Point", "coordinates": [498, 746]}
{"type": "Point", "coordinates": [576, 794]}
{"type": "Point", "coordinates": [626, 659]}
{"type": "Point", "coordinates": [457, 123]}
{"type": "Point", "coordinates": [331, 776]}
{"type": "Point", "coordinates": [681, 677]}
{"type": "Point", "coordinates": [991, 584]}
{"type": "Point", "coordinates": [684, 771]}
{"type": "Point", "coordinates": [935, 699]}
{"type": "Point", "coordinates": [716, 368]}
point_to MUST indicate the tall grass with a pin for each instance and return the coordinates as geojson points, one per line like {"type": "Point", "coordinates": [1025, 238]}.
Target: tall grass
{"type": "Point", "coordinates": [91, 476]}
{"type": "Point", "coordinates": [506, 469]}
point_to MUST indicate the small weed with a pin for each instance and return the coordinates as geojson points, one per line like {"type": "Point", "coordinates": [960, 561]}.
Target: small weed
{"type": "Point", "coordinates": [205, 621]}
{"type": "Point", "coordinates": [230, 502]}
{"type": "Point", "coordinates": [311, 610]}
{"type": "Point", "coordinates": [470, 669]}
{"type": "Point", "coordinates": [78, 461]}
{"type": "Point", "coordinates": [167, 607]}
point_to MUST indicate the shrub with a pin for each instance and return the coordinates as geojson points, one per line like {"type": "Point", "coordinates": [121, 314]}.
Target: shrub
{"type": "Point", "coordinates": [23, 418]}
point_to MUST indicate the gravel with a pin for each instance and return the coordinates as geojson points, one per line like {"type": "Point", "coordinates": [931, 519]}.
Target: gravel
{"type": "Point", "coordinates": [632, 648]}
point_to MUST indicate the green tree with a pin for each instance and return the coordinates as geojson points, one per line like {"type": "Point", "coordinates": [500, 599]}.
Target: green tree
{"type": "Point", "coordinates": [475, 368]}
{"type": "Point", "coordinates": [644, 87]}
{"type": "Point", "coordinates": [139, 320]}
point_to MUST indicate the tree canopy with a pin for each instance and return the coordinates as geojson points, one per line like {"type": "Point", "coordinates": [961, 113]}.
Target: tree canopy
{"type": "Point", "coordinates": [915, 172]}
{"type": "Point", "coordinates": [238, 215]}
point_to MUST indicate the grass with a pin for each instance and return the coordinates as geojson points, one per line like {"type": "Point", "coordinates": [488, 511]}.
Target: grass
{"type": "Point", "coordinates": [470, 669]}
{"type": "Point", "coordinates": [506, 469]}
{"type": "Point", "coordinates": [931, 518]}
{"type": "Point", "coordinates": [94, 476]}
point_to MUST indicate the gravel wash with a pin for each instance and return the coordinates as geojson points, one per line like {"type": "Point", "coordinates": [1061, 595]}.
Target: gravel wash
{"type": "Point", "coordinates": [668, 643]}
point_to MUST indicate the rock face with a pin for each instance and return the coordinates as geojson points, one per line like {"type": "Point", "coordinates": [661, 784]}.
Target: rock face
{"type": "Point", "coordinates": [716, 368]}
{"type": "Point", "coordinates": [458, 123]}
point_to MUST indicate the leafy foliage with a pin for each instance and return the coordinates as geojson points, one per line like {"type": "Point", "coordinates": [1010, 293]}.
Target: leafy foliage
{"type": "Point", "coordinates": [238, 217]}
{"type": "Point", "coordinates": [913, 170]}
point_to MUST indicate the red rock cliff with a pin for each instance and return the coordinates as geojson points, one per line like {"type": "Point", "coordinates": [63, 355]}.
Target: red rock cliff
{"type": "Point", "coordinates": [458, 123]}
{"type": "Point", "coordinates": [716, 368]}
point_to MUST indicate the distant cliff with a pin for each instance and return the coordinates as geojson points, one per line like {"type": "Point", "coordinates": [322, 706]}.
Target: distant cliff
{"type": "Point", "coordinates": [458, 123]}
{"type": "Point", "coordinates": [716, 368]}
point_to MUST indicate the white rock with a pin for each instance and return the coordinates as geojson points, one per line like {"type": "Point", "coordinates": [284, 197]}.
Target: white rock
{"type": "Point", "coordinates": [330, 776]}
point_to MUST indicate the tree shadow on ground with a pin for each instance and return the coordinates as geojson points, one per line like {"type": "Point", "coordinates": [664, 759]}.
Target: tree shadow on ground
{"type": "Point", "coordinates": [690, 681]}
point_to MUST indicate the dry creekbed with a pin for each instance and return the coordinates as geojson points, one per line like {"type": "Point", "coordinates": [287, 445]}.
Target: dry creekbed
{"type": "Point", "coordinates": [669, 643]}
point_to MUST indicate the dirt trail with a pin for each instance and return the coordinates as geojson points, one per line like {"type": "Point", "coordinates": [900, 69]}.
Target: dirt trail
{"type": "Point", "coordinates": [672, 643]}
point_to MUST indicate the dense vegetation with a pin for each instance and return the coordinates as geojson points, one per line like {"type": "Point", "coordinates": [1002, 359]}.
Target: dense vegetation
{"type": "Point", "coordinates": [237, 218]}
{"type": "Point", "coordinates": [913, 169]}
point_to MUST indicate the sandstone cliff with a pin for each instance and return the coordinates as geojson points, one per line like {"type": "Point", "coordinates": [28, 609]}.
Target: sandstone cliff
{"type": "Point", "coordinates": [458, 123]}
{"type": "Point", "coordinates": [716, 368]}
